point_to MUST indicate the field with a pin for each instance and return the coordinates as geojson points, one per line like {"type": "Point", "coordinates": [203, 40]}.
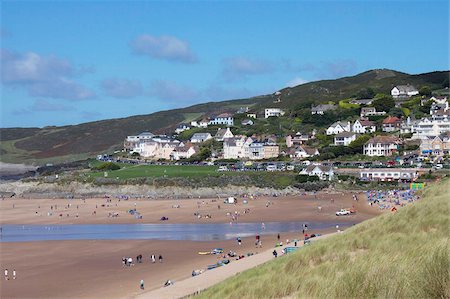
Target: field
{"type": "Point", "coordinates": [136, 171]}
{"type": "Point", "coordinates": [401, 255]}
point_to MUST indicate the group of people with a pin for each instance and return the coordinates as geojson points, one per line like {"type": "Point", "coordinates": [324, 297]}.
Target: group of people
{"type": "Point", "coordinates": [128, 261]}
{"type": "Point", "coordinates": [391, 198]}
{"type": "Point", "coordinates": [7, 274]}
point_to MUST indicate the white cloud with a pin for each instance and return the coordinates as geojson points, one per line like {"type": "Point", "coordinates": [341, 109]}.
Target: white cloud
{"type": "Point", "coordinates": [43, 76]}
{"type": "Point", "coordinates": [122, 88]}
{"type": "Point", "coordinates": [163, 47]}
{"type": "Point", "coordinates": [235, 68]}
{"type": "Point", "coordinates": [172, 91]}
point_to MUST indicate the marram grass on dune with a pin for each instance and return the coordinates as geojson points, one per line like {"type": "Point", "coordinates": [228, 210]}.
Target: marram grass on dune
{"type": "Point", "coordinates": [401, 255]}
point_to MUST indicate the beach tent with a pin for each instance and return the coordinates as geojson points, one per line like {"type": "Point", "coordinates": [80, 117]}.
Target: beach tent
{"type": "Point", "coordinates": [230, 200]}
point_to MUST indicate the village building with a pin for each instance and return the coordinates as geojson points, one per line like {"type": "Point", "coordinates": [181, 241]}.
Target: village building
{"type": "Point", "coordinates": [182, 152]}
{"type": "Point", "coordinates": [322, 108]}
{"type": "Point", "coordinates": [242, 110]}
{"type": "Point", "coordinates": [157, 150]}
{"type": "Point", "coordinates": [200, 137]}
{"type": "Point", "coordinates": [304, 151]}
{"type": "Point", "coordinates": [381, 146]}
{"type": "Point", "coordinates": [273, 112]}
{"type": "Point", "coordinates": [298, 139]}
{"type": "Point", "coordinates": [222, 119]}
{"type": "Point", "coordinates": [388, 174]}
{"type": "Point", "coordinates": [247, 122]}
{"type": "Point", "coordinates": [321, 171]}
{"type": "Point", "coordinates": [181, 128]}
{"type": "Point", "coordinates": [370, 111]}
{"type": "Point", "coordinates": [344, 138]}
{"type": "Point", "coordinates": [363, 126]}
{"type": "Point", "coordinates": [429, 127]}
{"type": "Point", "coordinates": [236, 147]}
{"type": "Point", "coordinates": [223, 134]}
{"type": "Point", "coordinates": [404, 91]}
{"type": "Point", "coordinates": [132, 141]}
{"type": "Point", "coordinates": [391, 124]}
{"type": "Point", "coordinates": [436, 146]}
{"type": "Point", "coordinates": [339, 127]}
{"type": "Point", "coordinates": [252, 115]}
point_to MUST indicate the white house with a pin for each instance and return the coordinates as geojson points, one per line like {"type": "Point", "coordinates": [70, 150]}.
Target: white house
{"type": "Point", "coordinates": [391, 124]}
{"type": "Point", "coordinates": [182, 152]}
{"type": "Point", "coordinates": [158, 150]}
{"type": "Point", "coordinates": [427, 127]}
{"type": "Point", "coordinates": [223, 134]}
{"type": "Point", "coordinates": [222, 119]}
{"type": "Point", "coordinates": [236, 147]}
{"type": "Point", "coordinates": [200, 137]}
{"type": "Point", "coordinates": [305, 152]}
{"type": "Point", "coordinates": [322, 108]}
{"type": "Point", "coordinates": [339, 127]}
{"type": "Point", "coordinates": [370, 111]}
{"type": "Point", "coordinates": [363, 126]}
{"type": "Point", "coordinates": [323, 172]}
{"type": "Point", "coordinates": [276, 112]}
{"type": "Point", "coordinates": [181, 128]}
{"type": "Point", "coordinates": [402, 91]}
{"type": "Point", "coordinates": [381, 146]}
{"type": "Point", "coordinates": [388, 174]}
{"type": "Point", "coordinates": [344, 138]}
{"type": "Point", "coordinates": [132, 141]}
{"type": "Point", "coordinates": [252, 115]}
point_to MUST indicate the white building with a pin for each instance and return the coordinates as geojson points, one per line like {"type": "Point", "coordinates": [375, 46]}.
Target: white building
{"type": "Point", "coordinates": [402, 91]}
{"type": "Point", "coordinates": [363, 126]}
{"type": "Point", "coordinates": [381, 146]}
{"type": "Point", "coordinates": [181, 128]}
{"type": "Point", "coordinates": [182, 152]}
{"type": "Point", "coordinates": [223, 134]}
{"type": "Point", "coordinates": [323, 172]}
{"type": "Point", "coordinates": [275, 112]}
{"type": "Point", "coordinates": [305, 152]}
{"type": "Point", "coordinates": [388, 174]}
{"type": "Point", "coordinates": [339, 127]}
{"type": "Point", "coordinates": [370, 111]}
{"type": "Point", "coordinates": [236, 147]}
{"type": "Point", "coordinates": [247, 122]}
{"type": "Point", "coordinates": [344, 138]}
{"type": "Point", "coordinates": [158, 150]}
{"type": "Point", "coordinates": [200, 137]}
{"type": "Point", "coordinates": [222, 119]}
{"type": "Point", "coordinates": [427, 127]}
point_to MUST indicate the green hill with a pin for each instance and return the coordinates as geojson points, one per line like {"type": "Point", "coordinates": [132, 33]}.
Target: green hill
{"type": "Point", "coordinates": [68, 143]}
{"type": "Point", "coordinates": [402, 255]}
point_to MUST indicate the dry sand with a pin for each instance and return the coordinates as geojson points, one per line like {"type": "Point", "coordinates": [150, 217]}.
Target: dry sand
{"type": "Point", "coordinates": [93, 269]}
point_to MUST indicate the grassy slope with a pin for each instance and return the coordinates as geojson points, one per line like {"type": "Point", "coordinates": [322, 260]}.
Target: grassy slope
{"type": "Point", "coordinates": [41, 145]}
{"type": "Point", "coordinates": [402, 255]}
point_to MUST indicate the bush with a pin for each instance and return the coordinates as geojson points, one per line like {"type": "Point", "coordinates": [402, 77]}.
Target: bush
{"type": "Point", "coordinates": [107, 166]}
{"type": "Point", "coordinates": [303, 178]}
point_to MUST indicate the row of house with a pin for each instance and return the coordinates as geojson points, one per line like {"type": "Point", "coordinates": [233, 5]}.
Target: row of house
{"type": "Point", "coordinates": [243, 147]}
{"type": "Point", "coordinates": [157, 147]}
{"type": "Point", "coordinates": [360, 126]}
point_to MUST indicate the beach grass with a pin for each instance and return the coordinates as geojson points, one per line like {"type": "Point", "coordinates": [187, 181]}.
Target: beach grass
{"type": "Point", "coordinates": [395, 255]}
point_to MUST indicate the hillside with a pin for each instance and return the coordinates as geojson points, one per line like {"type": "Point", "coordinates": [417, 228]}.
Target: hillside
{"type": "Point", "coordinates": [67, 143]}
{"type": "Point", "coordinates": [402, 255]}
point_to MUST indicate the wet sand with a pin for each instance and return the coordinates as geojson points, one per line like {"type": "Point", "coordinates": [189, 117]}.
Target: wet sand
{"type": "Point", "coordinates": [93, 269]}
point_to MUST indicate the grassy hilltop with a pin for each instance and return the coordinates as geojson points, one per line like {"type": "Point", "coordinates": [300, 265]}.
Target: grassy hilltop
{"type": "Point", "coordinates": [76, 142]}
{"type": "Point", "coordinates": [402, 255]}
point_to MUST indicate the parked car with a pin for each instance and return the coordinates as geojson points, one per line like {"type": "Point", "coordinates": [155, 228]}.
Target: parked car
{"type": "Point", "coordinates": [343, 212]}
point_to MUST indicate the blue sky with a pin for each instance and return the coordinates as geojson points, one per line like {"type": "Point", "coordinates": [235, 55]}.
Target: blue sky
{"type": "Point", "coordinates": [68, 62]}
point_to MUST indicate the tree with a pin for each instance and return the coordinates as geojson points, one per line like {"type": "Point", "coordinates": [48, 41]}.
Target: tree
{"type": "Point", "coordinates": [366, 93]}
{"type": "Point", "coordinates": [384, 103]}
{"type": "Point", "coordinates": [357, 144]}
{"type": "Point", "coordinates": [425, 91]}
{"type": "Point", "coordinates": [396, 112]}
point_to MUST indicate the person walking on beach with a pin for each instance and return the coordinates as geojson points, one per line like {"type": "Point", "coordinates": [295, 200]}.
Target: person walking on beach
{"type": "Point", "coordinates": [14, 273]}
{"type": "Point", "coordinates": [6, 274]}
{"type": "Point", "coordinates": [160, 258]}
{"type": "Point", "coordinates": [239, 241]}
{"type": "Point", "coordinates": [275, 253]}
{"type": "Point", "coordinates": [153, 258]}
{"type": "Point", "coordinates": [142, 284]}
{"type": "Point", "coordinates": [278, 237]}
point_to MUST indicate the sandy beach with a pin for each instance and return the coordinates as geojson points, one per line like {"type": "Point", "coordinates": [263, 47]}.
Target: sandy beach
{"type": "Point", "coordinates": [93, 269]}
